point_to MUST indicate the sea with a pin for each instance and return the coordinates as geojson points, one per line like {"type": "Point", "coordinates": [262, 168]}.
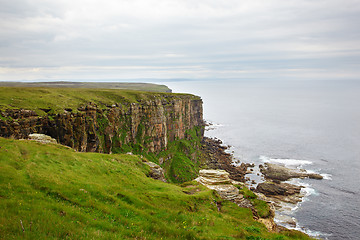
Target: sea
{"type": "Point", "coordinates": [309, 124]}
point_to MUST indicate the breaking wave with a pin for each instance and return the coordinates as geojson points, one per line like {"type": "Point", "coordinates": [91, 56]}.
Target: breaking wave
{"type": "Point", "coordinates": [287, 162]}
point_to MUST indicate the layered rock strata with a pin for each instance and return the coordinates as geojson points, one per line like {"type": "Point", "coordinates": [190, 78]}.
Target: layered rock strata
{"type": "Point", "coordinates": [219, 181]}
{"type": "Point", "coordinates": [42, 138]}
{"type": "Point", "coordinates": [280, 192]}
{"type": "Point", "coordinates": [148, 124]}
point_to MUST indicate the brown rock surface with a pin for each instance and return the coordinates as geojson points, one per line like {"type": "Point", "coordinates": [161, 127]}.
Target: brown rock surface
{"type": "Point", "coordinates": [217, 158]}
{"type": "Point", "coordinates": [219, 181]}
{"type": "Point", "coordinates": [281, 173]}
{"type": "Point", "coordinates": [95, 129]}
{"type": "Point", "coordinates": [271, 189]}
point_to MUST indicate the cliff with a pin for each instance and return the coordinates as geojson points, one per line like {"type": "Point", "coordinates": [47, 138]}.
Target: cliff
{"type": "Point", "coordinates": [161, 127]}
{"type": "Point", "coordinates": [101, 120]}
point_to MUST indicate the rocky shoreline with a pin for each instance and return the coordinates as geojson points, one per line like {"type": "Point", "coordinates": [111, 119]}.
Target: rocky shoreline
{"type": "Point", "coordinates": [217, 158]}
{"type": "Point", "coordinates": [227, 176]}
{"type": "Point", "coordinates": [274, 188]}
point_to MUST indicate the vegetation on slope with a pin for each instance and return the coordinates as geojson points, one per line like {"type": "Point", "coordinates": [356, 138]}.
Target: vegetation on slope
{"type": "Point", "coordinates": [184, 158]}
{"type": "Point", "coordinates": [58, 99]}
{"type": "Point", "coordinates": [108, 85]}
{"type": "Point", "coordinates": [182, 155]}
{"type": "Point", "coordinates": [181, 160]}
{"type": "Point", "coordinates": [53, 192]}
{"type": "Point", "coordinates": [260, 206]}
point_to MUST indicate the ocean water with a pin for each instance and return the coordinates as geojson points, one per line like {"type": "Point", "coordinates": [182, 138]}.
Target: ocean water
{"type": "Point", "coordinates": [309, 124]}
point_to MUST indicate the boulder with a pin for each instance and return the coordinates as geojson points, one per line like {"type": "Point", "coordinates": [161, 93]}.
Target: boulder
{"type": "Point", "coordinates": [213, 177]}
{"type": "Point", "coordinates": [281, 173]}
{"type": "Point", "coordinates": [42, 138]}
{"type": "Point", "coordinates": [280, 192]}
{"type": "Point", "coordinates": [284, 189]}
{"type": "Point", "coordinates": [156, 172]}
{"type": "Point", "coordinates": [219, 181]}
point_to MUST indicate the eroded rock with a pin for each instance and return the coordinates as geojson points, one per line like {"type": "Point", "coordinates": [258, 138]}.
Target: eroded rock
{"type": "Point", "coordinates": [281, 173]}
{"type": "Point", "coordinates": [91, 128]}
{"type": "Point", "coordinates": [156, 172]}
{"type": "Point", "coordinates": [42, 138]}
{"type": "Point", "coordinates": [280, 192]}
{"type": "Point", "coordinates": [271, 189]}
{"type": "Point", "coordinates": [219, 181]}
{"type": "Point", "coordinates": [217, 158]}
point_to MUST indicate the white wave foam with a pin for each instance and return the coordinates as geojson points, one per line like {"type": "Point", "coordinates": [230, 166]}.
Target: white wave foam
{"type": "Point", "coordinates": [306, 191]}
{"type": "Point", "coordinates": [315, 234]}
{"type": "Point", "coordinates": [213, 124]}
{"type": "Point", "coordinates": [291, 222]}
{"type": "Point", "coordinates": [286, 221]}
{"type": "Point", "coordinates": [326, 176]}
{"type": "Point", "coordinates": [288, 162]}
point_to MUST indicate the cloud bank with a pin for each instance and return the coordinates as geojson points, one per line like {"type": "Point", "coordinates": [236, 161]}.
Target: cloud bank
{"type": "Point", "coordinates": [204, 39]}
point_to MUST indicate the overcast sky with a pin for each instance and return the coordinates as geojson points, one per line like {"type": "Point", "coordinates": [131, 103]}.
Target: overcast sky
{"type": "Point", "coordinates": [202, 39]}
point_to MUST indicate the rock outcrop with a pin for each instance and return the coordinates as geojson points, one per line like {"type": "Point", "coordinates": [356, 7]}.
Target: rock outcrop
{"type": "Point", "coordinates": [281, 173]}
{"type": "Point", "coordinates": [280, 192]}
{"type": "Point", "coordinates": [42, 138]}
{"type": "Point", "coordinates": [283, 196]}
{"type": "Point", "coordinates": [219, 181]}
{"type": "Point", "coordinates": [145, 124]}
{"type": "Point", "coordinates": [271, 189]}
{"type": "Point", "coordinates": [217, 158]}
{"type": "Point", "coordinates": [156, 172]}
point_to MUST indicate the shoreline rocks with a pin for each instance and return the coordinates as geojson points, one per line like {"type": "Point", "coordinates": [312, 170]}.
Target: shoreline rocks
{"type": "Point", "coordinates": [219, 181]}
{"type": "Point", "coordinates": [280, 173]}
{"type": "Point", "coordinates": [217, 158]}
{"type": "Point", "coordinates": [280, 192]}
{"type": "Point", "coordinates": [282, 195]}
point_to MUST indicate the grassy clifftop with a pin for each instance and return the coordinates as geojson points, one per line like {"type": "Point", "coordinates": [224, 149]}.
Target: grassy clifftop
{"type": "Point", "coordinates": [53, 192]}
{"type": "Point", "coordinates": [57, 99]}
{"type": "Point", "coordinates": [108, 85]}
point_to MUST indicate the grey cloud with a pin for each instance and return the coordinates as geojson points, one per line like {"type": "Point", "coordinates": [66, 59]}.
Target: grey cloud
{"type": "Point", "coordinates": [220, 37]}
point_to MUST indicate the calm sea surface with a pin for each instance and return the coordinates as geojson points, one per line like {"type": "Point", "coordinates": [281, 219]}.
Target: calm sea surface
{"type": "Point", "coordinates": [293, 121]}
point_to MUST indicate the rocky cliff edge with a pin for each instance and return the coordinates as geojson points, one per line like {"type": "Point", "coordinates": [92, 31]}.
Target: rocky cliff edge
{"type": "Point", "coordinates": [145, 121]}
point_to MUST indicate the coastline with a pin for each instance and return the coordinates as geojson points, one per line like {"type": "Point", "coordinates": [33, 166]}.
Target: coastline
{"type": "Point", "coordinates": [285, 203]}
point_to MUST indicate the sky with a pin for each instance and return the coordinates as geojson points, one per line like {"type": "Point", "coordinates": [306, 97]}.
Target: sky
{"type": "Point", "coordinates": [179, 39]}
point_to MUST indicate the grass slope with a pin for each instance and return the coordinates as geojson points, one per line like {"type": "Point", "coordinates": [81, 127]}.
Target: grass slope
{"type": "Point", "coordinates": [53, 192]}
{"type": "Point", "coordinates": [109, 85]}
{"type": "Point", "coordinates": [57, 99]}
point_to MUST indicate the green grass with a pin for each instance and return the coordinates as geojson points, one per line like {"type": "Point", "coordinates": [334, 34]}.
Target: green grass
{"type": "Point", "coordinates": [183, 158]}
{"type": "Point", "coordinates": [57, 99]}
{"type": "Point", "coordinates": [261, 207]}
{"type": "Point", "coordinates": [58, 193]}
{"type": "Point", "coordinates": [108, 85]}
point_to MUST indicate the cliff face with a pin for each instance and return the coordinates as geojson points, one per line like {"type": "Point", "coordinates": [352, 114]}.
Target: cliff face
{"type": "Point", "coordinates": [145, 124]}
